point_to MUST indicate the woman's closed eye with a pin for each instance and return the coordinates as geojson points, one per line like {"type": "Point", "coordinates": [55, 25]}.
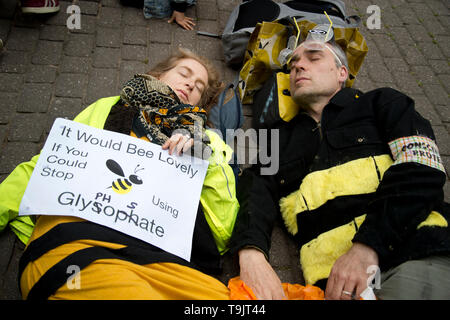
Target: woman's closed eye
{"type": "Point", "coordinates": [200, 86]}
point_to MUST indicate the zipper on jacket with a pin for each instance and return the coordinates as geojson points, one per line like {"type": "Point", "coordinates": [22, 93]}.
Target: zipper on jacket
{"type": "Point", "coordinates": [319, 126]}
{"type": "Point", "coordinates": [226, 177]}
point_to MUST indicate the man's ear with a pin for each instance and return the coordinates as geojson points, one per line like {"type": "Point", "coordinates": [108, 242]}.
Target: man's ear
{"type": "Point", "coordinates": [343, 74]}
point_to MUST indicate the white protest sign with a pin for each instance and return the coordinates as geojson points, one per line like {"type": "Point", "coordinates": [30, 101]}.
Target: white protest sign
{"type": "Point", "coordinates": [118, 181]}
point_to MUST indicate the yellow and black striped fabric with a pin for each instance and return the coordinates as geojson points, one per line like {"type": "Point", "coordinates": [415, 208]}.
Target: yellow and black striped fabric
{"type": "Point", "coordinates": [314, 199]}
{"type": "Point", "coordinates": [112, 266]}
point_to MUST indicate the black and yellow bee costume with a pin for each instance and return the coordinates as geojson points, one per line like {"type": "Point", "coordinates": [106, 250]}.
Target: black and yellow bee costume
{"type": "Point", "coordinates": [114, 265]}
{"type": "Point", "coordinates": [369, 172]}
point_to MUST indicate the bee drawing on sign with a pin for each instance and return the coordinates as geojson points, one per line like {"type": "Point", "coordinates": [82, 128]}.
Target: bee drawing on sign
{"type": "Point", "coordinates": [122, 185]}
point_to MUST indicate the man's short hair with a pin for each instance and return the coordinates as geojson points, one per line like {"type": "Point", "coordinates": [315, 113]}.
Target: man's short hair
{"type": "Point", "coordinates": [341, 55]}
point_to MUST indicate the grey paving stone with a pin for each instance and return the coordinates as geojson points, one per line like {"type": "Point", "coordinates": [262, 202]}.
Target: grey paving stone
{"type": "Point", "coordinates": [363, 83]}
{"type": "Point", "coordinates": [41, 73]}
{"type": "Point", "coordinates": [75, 64]}
{"type": "Point", "coordinates": [425, 108]}
{"type": "Point", "coordinates": [14, 153]}
{"type": "Point", "coordinates": [406, 14]}
{"type": "Point", "coordinates": [110, 3]}
{"type": "Point", "coordinates": [5, 26]}
{"type": "Point", "coordinates": [47, 52]}
{"type": "Point", "coordinates": [430, 49]}
{"type": "Point", "coordinates": [408, 83]}
{"type": "Point", "coordinates": [444, 43]}
{"type": "Point", "coordinates": [23, 39]}
{"type": "Point", "coordinates": [59, 18]}
{"type": "Point", "coordinates": [185, 39]}
{"type": "Point", "coordinates": [401, 36]}
{"type": "Point", "coordinates": [379, 73]}
{"type": "Point", "coordinates": [413, 56]}
{"type": "Point", "coordinates": [8, 107]}
{"type": "Point", "coordinates": [436, 94]}
{"type": "Point", "coordinates": [444, 112]}
{"type": "Point", "coordinates": [88, 25]}
{"type": "Point", "coordinates": [134, 17]}
{"type": "Point", "coordinates": [440, 66]}
{"type": "Point", "coordinates": [71, 85]}
{"type": "Point", "coordinates": [12, 249]}
{"type": "Point", "coordinates": [447, 189]}
{"type": "Point", "coordinates": [108, 37]}
{"type": "Point", "coordinates": [27, 127]}
{"type": "Point", "coordinates": [135, 35]}
{"type": "Point", "coordinates": [207, 11]}
{"type": "Point", "coordinates": [211, 26]}
{"type": "Point", "coordinates": [227, 5]}
{"type": "Point", "coordinates": [134, 52]}
{"type": "Point", "coordinates": [62, 107]}
{"type": "Point", "coordinates": [110, 17]}
{"type": "Point", "coordinates": [442, 140]}
{"type": "Point", "coordinates": [7, 239]}
{"type": "Point", "coordinates": [210, 48]}
{"type": "Point", "coordinates": [3, 133]}
{"type": "Point", "coordinates": [396, 65]}
{"type": "Point", "coordinates": [424, 74]}
{"type": "Point", "coordinates": [35, 97]}
{"type": "Point", "coordinates": [88, 7]}
{"type": "Point", "coordinates": [53, 33]}
{"type": "Point", "coordinates": [106, 57]}
{"type": "Point", "coordinates": [129, 68]}
{"type": "Point", "coordinates": [438, 7]}
{"type": "Point", "coordinates": [160, 31]}
{"type": "Point", "coordinates": [14, 61]}
{"type": "Point", "coordinates": [102, 83]}
{"type": "Point", "coordinates": [79, 45]}
{"type": "Point", "coordinates": [418, 32]}
{"type": "Point", "coordinates": [434, 27]}
{"type": "Point", "coordinates": [10, 82]}
{"type": "Point", "coordinates": [445, 81]}
{"type": "Point", "coordinates": [157, 52]}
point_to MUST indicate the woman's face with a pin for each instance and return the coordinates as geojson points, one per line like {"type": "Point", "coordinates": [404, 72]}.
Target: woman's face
{"type": "Point", "coordinates": [188, 79]}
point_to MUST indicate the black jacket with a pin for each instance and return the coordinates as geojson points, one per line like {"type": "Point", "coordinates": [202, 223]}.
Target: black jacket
{"type": "Point", "coordinates": [353, 126]}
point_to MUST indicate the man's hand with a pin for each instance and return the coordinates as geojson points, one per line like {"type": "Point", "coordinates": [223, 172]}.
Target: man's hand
{"type": "Point", "coordinates": [183, 21]}
{"type": "Point", "coordinates": [348, 277]}
{"type": "Point", "coordinates": [179, 143]}
{"type": "Point", "coordinates": [258, 274]}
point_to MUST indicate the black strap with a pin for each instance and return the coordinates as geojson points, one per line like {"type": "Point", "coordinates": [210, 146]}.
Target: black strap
{"type": "Point", "coordinates": [57, 275]}
{"type": "Point", "coordinates": [72, 231]}
{"type": "Point", "coordinates": [137, 251]}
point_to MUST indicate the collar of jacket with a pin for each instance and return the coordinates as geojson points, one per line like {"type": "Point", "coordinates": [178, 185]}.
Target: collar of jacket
{"type": "Point", "coordinates": [345, 97]}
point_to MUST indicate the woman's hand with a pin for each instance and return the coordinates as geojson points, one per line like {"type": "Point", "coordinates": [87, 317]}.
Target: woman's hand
{"type": "Point", "coordinates": [257, 273]}
{"type": "Point", "coordinates": [183, 21]}
{"type": "Point", "coordinates": [178, 142]}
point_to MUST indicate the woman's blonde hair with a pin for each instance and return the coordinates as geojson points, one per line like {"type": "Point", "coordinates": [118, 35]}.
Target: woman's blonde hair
{"type": "Point", "coordinates": [214, 86]}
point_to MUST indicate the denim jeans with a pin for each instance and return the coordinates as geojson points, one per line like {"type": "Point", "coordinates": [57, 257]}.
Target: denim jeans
{"type": "Point", "coordinates": [161, 8]}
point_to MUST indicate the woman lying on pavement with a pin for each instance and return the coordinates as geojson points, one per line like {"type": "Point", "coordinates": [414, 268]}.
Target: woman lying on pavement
{"type": "Point", "coordinates": [176, 94]}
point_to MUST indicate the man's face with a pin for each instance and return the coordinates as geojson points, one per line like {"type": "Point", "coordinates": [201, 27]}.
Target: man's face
{"type": "Point", "coordinates": [314, 74]}
{"type": "Point", "coordinates": [188, 79]}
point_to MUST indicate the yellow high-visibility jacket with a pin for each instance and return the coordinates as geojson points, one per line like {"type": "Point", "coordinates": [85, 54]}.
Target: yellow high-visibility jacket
{"type": "Point", "coordinates": [218, 197]}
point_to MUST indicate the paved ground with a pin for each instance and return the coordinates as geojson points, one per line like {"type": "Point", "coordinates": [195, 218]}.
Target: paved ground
{"type": "Point", "coordinates": [48, 71]}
